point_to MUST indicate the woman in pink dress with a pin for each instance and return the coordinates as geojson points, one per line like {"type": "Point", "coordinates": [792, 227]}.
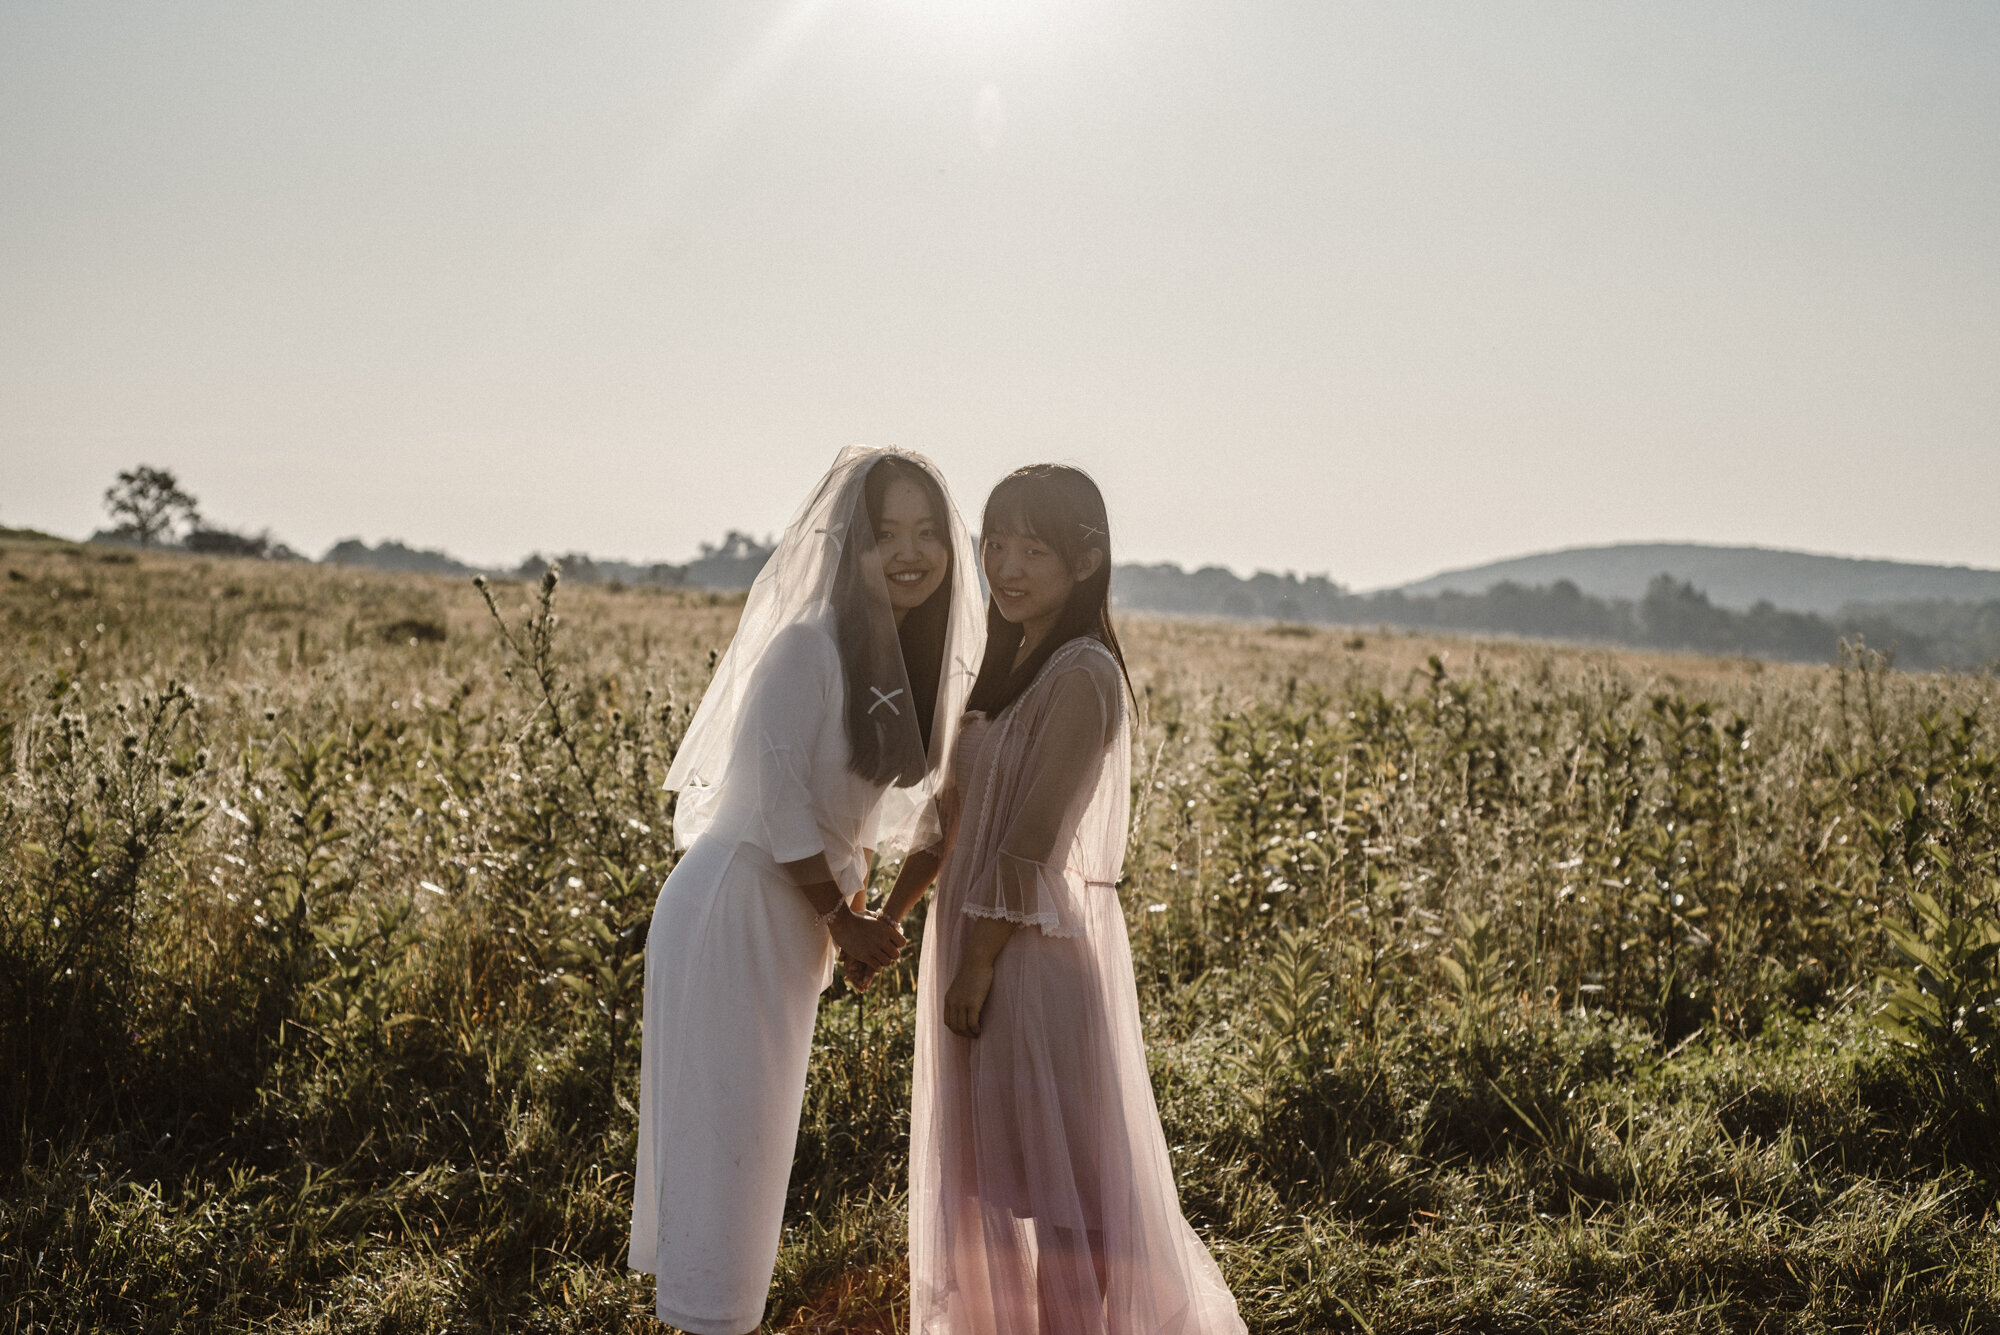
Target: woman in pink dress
{"type": "Point", "coordinates": [1042, 1201]}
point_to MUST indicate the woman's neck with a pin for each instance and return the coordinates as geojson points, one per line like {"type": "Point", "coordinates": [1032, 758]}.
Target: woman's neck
{"type": "Point", "coordinates": [1033, 633]}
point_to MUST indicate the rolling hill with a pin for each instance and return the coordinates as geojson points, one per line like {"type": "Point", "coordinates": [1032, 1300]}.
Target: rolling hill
{"type": "Point", "coordinates": [1732, 577]}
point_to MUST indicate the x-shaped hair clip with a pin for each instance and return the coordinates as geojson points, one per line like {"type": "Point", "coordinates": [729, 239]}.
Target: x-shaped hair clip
{"type": "Point", "coordinates": [889, 700]}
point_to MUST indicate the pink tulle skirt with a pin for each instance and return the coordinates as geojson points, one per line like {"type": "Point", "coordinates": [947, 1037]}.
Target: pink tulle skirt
{"type": "Point", "coordinates": [1042, 1200]}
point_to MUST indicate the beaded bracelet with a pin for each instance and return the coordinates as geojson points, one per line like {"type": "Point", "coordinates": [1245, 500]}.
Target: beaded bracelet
{"type": "Point", "coordinates": [826, 919]}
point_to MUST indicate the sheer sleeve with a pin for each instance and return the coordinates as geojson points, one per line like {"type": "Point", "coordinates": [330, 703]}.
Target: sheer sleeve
{"type": "Point", "coordinates": [950, 810]}
{"type": "Point", "coordinates": [951, 806]}
{"type": "Point", "coordinates": [1028, 879]}
{"type": "Point", "coordinates": [788, 702]}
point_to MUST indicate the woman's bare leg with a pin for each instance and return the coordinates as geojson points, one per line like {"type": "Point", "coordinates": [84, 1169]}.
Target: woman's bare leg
{"type": "Point", "coordinates": [1070, 1275]}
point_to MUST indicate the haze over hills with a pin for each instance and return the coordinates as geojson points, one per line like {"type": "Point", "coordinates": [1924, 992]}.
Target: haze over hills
{"type": "Point", "coordinates": [1750, 601]}
{"type": "Point", "coordinates": [1772, 604]}
{"type": "Point", "coordinates": [1734, 577]}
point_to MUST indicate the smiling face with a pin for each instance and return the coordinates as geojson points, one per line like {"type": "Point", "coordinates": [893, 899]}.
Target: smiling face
{"type": "Point", "coordinates": [911, 541]}
{"type": "Point", "coordinates": [1030, 581]}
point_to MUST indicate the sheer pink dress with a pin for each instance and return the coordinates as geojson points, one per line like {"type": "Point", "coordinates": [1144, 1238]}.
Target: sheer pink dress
{"type": "Point", "coordinates": [1042, 1201]}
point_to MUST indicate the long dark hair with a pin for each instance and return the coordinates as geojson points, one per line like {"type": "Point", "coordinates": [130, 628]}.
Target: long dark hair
{"type": "Point", "coordinates": [921, 636]}
{"type": "Point", "coordinates": [1061, 506]}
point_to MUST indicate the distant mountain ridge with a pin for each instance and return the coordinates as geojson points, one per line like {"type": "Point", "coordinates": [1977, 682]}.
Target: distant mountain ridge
{"type": "Point", "coordinates": [1733, 577]}
{"type": "Point", "coordinates": [1670, 614]}
{"type": "Point", "coordinates": [1771, 603]}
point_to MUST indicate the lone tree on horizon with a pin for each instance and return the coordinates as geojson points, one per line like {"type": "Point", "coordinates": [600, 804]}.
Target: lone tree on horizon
{"type": "Point", "coordinates": [147, 504]}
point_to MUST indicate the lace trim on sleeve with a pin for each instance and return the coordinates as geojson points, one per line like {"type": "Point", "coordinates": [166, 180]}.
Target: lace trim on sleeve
{"type": "Point", "coordinates": [1032, 893]}
{"type": "Point", "coordinates": [1050, 924]}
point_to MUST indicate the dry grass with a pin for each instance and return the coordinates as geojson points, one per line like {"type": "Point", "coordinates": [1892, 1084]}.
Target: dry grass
{"type": "Point", "coordinates": [1490, 986]}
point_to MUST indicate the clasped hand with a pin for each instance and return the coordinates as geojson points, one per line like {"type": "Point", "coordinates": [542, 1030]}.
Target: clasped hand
{"type": "Point", "coordinates": [859, 975]}
{"type": "Point", "coordinates": [867, 939]}
{"type": "Point", "coordinates": [964, 1001]}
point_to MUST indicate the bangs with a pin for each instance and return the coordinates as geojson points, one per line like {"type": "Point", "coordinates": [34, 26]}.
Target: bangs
{"type": "Point", "coordinates": [1011, 510]}
{"type": "Point", "coordinates": [891, 470]}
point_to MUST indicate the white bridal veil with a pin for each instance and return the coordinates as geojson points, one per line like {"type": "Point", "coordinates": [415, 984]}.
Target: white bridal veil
{"type": "Point", "coordinates": [826, 567]}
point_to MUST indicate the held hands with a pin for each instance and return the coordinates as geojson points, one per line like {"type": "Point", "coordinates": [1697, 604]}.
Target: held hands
{"type": "Point", "coordinates": [966, 998]}
{"type": "Point", "coordinates": [870, 941]}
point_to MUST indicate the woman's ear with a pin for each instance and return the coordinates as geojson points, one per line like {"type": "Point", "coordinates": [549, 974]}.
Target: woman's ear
{"type": "Point", "coordinates": [1089, 563]}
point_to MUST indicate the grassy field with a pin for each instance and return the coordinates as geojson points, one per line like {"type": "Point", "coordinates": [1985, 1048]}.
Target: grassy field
{"type": "Point", "coordinates": [1488, 987]}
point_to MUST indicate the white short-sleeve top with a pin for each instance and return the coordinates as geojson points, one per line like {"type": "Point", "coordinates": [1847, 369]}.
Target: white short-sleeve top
{"type": "Point", "coordinates": [792, 737]}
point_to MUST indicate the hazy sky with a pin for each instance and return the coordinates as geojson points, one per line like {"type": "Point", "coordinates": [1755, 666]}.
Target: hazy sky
{"type": "Point", "coordinates": [1364, 289]}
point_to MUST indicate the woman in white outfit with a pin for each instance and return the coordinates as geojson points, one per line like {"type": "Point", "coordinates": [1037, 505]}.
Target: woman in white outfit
{"type": "Point", "coordinates": [818, 742]}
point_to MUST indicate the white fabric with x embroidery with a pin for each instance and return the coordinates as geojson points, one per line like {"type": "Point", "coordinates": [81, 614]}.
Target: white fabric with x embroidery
{"type": "Point", "coordinates": [735, 957]}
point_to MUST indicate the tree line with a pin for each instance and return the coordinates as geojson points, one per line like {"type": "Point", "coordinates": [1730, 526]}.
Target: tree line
{"type": "Point", "coordinates": [1672, 615]}
{"type": "Point", "coordinates": [150, 507]}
